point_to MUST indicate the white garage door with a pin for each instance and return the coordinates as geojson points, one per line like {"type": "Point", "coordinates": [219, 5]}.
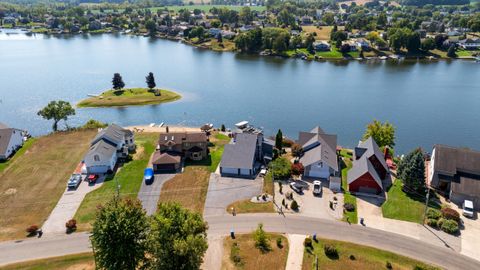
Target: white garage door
{"type": "Point", "coordinates": [319, 171]}
{"type": "Point", "coordinates": [98, 169]}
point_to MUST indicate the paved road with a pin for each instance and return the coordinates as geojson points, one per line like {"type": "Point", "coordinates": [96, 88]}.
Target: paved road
{"type": "Point", "coordinates": [11, 251]}
{"type": "Point", "coordinates": [223, 191]}
{"type": "Point", "coordinates": [149, 194]}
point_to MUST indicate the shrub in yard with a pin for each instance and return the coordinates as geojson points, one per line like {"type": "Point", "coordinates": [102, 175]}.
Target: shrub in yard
{"type": "Point", "coordinates": [283, 202]}
{"type": "Point", "coordinates": [280, 187]}
{"type": "Point", "coordinates": [450, 226]}
{"type": "Point", "coordinates": [32, 230]}
{"type": "Point", "coordinates": [433, 214]}
{"type": "Point", "coordinates": [235, 254]}
{"type": "Point", "coordinates": [449, 213]}
{"type": "Point", "coordinates": [294, 205]}
{"type": "Point", "coordinates": [440, 222]}
{"type": "Point", "coordinates": [222, 128]}
{"type": "Point", "coordinates": [331, 251]}
{"type": "Point", "coordinates": [71, 225]}
{"type": "Point", "coordinates": [261, 239]}
{"type": "Point", "coordinates": [279, 242]}
{"type": "Point", "coordinates": [308, 242]}
{"type": "Point", "coordinates": [297, 168]}
{"type": "Point", "coordinates": [389, 265]}
{"type": "Point", "coordinates": [432, 222]}
{"type": "Point", "coordinates": [349, 207]}
{"type": "Point", "coordinates": [352, 257]}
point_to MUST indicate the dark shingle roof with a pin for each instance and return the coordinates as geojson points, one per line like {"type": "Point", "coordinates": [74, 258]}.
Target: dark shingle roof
{"type": "Point", "coordinates": [165, 158]}
{"type": "Point", "coordinates": [5, 135]}
{"type": "Point", "coordinates": [449, 160]}
{"type": "Point", "coordinates": [102, 148]}
{"type": "Point", "coordinates": [241, 152]}
{"type": "Point", "coordinates": [180, 137]}
{"type": "Point", "coordinates": [113, 133]}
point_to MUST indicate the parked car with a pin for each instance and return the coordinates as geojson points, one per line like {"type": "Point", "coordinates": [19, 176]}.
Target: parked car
{"type": "Point", "coordinates": [468, 208]}
{"type": "Point", "coordinates": [298, 186]}
{"type": "Point", "coordinates": [74, 181]}
{"type": "Point", "coordinates": [317, 188]}
{"type": "Point", "coordinates": [92, 178]}
{"type": "Point", "coordinates": [148, 176]}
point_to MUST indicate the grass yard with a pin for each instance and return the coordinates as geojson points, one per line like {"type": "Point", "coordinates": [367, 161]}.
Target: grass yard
{"type": "Point", "coordinates": [129, 177]}
{"type": "Point", "coordinates": [323, 32]}
{"type": "Point", "coordinates": [19, 153]}
{"type": "Point", "coordinates": [32, 184]}
{"type": "Point", "coordinates": [252, 258]}
{"type": "Point", "coordinates": [246, 206]}
{"type": "Point", "coordinates": [227, 45]}
{"type": "Point", "coordinates": [403, 206]}
{"type": "Point", "coordinates": [268, 184]}
{"type": "Point", "coordinates": [365, 257]}
{"type": "Point", "coordinates": [347, 197]}
{"type": "Point", "coordinates": [217, 141]}
{"type": "Point", "coordinates": [83, 261]}
{"type": "Point", "coordinates": [129, 97]}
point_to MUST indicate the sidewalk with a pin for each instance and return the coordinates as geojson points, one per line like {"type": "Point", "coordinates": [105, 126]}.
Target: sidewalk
{"type": "Point", "coordinates": [295, 251]}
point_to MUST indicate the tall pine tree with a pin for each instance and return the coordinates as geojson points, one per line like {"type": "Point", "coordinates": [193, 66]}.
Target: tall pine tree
{"type": "Point", "coordinates": [411, 171]}
{"type": "Point", "coordinates": [150, 80]}
{"type": "Point", "coordinates": [117, 82]}
{"type": "Point", "coordinates": [279, 140]}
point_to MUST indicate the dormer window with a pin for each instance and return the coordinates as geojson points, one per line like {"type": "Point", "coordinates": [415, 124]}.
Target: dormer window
{"type": "Point", "coordinates": [173, 138]}
{"type": "Point", "coordinates": [166, 138]}
{"type": "Point", "coordinates": [96, 158]}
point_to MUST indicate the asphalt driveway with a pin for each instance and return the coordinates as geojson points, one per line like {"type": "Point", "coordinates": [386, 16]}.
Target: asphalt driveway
{"type": "Point", "coordinates": [149, 194]}
{"type": "Point", "coordinates": [223, 191]}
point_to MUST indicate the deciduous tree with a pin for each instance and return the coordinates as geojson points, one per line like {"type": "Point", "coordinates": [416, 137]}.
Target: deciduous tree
{"type": "Point", "coordinates": [382, 133]}
{"type": "Point", "coordinates": [56, 111]}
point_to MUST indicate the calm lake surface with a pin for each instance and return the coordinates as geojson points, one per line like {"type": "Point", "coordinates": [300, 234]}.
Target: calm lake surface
{"type": "Point", "coordinates": [428, 102]}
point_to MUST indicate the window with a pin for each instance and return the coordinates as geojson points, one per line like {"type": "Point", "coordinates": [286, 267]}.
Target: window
{"type": "Point", "coordinates": [96, 158]}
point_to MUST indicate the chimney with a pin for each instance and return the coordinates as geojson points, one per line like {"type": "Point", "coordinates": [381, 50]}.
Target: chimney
{"type": "Point", "coordinates": [166, 129]}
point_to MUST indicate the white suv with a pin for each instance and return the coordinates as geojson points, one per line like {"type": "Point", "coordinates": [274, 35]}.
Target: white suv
{"type": "Point", "coordinates": [468, 208]}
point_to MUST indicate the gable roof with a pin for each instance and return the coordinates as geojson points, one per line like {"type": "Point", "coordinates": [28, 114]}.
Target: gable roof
{"type": "Point", "coordinates": [240, 153]}
{"type": "Point", "coordinates": [359, 168]}
{"type": "Point", "coordinates": [102, 148]}
{"type": "Point", "coordinates": [165, 158]}
{"type": "Point", "coordinates": [5, 135]}
{"type": "Point", "coordinates": [449, 160]}
{"type": "Point", "coordinates": [318, 146]}
{"type": "Point", "coordinates": [113, 133]}
{"type": "Point", "coordinates": [369, 148]}
{"type": "Point", "coordinates": [2, 125]}
{"type": "Point", "coordinates": [180, 137]}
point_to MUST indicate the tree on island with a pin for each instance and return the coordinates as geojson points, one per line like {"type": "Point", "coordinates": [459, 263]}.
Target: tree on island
{"type": "Point", "coordinates": [57, 110]}
{"type": "Point", "coordinates": [382, 133]}
{"type": "Point", "coordinates": [117, 82]}
{"type": "Point", "coordinates": [411, 171]}
{"type": "Point", "coordinates": [150, 80]}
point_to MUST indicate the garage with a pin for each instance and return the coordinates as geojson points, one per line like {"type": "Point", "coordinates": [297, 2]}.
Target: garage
{"type": "Point", "coordinates": [164, 162]}
{"type": "Point", "coordinates": [319, 171]}
{"type": "Point", "coordinates": [98, 169]}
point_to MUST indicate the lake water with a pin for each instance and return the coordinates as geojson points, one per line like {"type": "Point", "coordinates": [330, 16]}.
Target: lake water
{"type": "Point", "coordinates": [428, 102]}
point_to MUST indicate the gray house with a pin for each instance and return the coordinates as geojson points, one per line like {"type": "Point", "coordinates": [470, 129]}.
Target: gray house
{"type": "Point", "coordinates": [319, 156]}
{"type": "Point", "coordinates": [455, 172]}
{"type": "Point", "coordinates": [11, 139]}
{"type": "Point", "coordinates": [239, 156]}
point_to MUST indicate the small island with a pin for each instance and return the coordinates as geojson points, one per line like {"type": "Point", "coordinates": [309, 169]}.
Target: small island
{"type": "Point", "coordinates": [120, 96]}
{"type": "Point", "coordinates": [130, 97]}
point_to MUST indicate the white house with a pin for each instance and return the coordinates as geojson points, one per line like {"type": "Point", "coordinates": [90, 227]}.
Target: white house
{"type": "Point", "coordinates": [121, 138]}
{"type": "Point", "coordinates": [11, 139]}
{"type": "Point", "coordinates": [101, 158]}
{"type": "Point", "coordinates": [319, 156]}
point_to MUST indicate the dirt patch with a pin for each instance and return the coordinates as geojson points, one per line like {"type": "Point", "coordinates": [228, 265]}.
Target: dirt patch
{"type": "Point", "coordinates": [10, 191]}
{"type": "Point", "coordinates": [82, 266]}
{"type": "Point", "coordinates": [138, 153]}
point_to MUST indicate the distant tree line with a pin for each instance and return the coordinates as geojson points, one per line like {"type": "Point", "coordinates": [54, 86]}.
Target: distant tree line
{"type": "Point", "coordinates": [435, 2]}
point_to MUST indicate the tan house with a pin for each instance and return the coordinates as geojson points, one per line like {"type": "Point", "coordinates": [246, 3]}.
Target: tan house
{"type": "Point", "coordinates": [174, 146]}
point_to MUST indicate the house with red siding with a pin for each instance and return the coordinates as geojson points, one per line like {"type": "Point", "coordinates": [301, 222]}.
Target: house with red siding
{"type": "Point", "coordinates": [369, 169]}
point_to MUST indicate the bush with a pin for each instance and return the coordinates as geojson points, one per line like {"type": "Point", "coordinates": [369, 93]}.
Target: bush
{"type": "Point", "coordinates": [280, 187]}
{"type": "Point", "coordinates": [434, 214]}
{"type": "Point", "coordinates": [279, 242]}
{"type": "Point", "coordinates": [32, 230]}
{"type": "Point", "coordinates": [440, 222]}
{"type": "Point", "coordinates": [389, 265]}
{"type": "Point", "coordinates": [352, 257]}
{"type": "Point", "coordinates": [71, 225]}
{"type": "Point", "coordinates": [297, 169]}
{"type": "Point", "coordinates": [91, 124]}
{"type": "Point", "coordinates": [450, 226]}
{"type": "Point", "coordinates": [281, 168]}
{"type": "Point", "coordinates": [222, 128]}
{"type": "Point", "coordinates": [349, 207]}
{"type": "Point", "coordinates": [235, 254]}
{"type": "Point", "coordinates": [432, 222]}
{"type": "Point", "coordinates": [294, 205]}
{"type": "Point", "coordinates": [452, 214]}
{"type": "Point", "coordinates": [261, 239]}
{"type": "Point", "coordinates": [308, 242]}
{"type": "Point", "coordinates": [331, 251]}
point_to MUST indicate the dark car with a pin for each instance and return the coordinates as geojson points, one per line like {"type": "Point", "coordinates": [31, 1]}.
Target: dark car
{"type": "Point", "coordinates": [92, 178]}
{"type": "Point", "coordinates": [74, 181]}
{"type": "Point", "coordinates": [148, 176]}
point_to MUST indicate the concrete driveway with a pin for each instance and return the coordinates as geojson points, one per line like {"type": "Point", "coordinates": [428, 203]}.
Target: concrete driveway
{"type": "Point", "coordinates": [223, 191]}
{"type": "Point", "coordinates": [67, 206]}
{"type": "Point", "coordinates": [150, 194]}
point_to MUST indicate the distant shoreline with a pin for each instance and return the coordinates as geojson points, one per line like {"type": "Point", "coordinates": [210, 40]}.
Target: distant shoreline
{"type": "Point", "coordinates": [129, 97]}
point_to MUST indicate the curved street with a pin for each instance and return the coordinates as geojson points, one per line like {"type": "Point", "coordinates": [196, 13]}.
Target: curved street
{"type": "Point", "coordinates": [59, 245]}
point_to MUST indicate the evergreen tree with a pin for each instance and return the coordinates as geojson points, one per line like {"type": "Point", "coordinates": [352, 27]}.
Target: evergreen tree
{"type": "Point", "coordinates": [262, 241]}
{"type": "Point", "coordinates": [117, 82]}
{"type": "Point", "coordinates": [150, 80]}
{"type": "Point", "coordinates": [279, 140]}
{"type": "Point", "coordinates": [451, 51]}
{"type": "Point", "coordinates": [411, 171]}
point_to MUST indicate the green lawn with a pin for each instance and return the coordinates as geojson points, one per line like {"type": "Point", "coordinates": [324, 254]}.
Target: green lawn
{"type": "Point", "coordinates": [347, 197]}
{"type": "Point", "coordinates": [83, 261]}
{"type": "Point", "coordinates": [129, 178]}
{"type": "Point", "coordinates": [217, 151]}
{"type": "Point", "coordinates": [246, 206]}
{"type": "Point", "coordinates": [20, 152]}
{"type": "Point", "coordinates": [333, 53]}
{"type": "Point", "coordinates": [365, 257]}
{"type": "Point", "coordinates": [403, 206]}
{"type": "Point", "coordinates": [129, 97]}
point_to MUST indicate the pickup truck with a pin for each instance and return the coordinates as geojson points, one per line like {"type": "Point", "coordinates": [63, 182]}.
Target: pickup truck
{"type": "Point", "coordinates": [317, 188]}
